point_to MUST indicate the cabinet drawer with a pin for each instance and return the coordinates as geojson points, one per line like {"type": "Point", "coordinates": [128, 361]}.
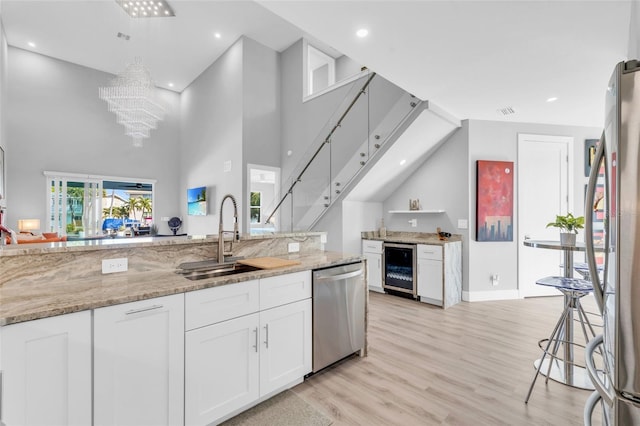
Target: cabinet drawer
{"type": "Point", "coordinates": [371, 246]}
{"type": "Point", "coordinates": [212, 305]}
{"type": "Point", "coordinates": [429, 252]}
{"type": "Point", "coordinates": [283, 289]}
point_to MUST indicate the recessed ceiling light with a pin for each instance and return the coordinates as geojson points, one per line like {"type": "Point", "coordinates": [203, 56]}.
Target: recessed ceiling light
{"type": "Point", "coordinates": [403, 162]}
{"type": "Point", "coordinates": [362, 32]}
{"type": "Point", "coordinates": [552, 99]}
{"type": "Point", "coordinates": [170, 84]}
{"type": "Point", "coordinates": [217, 35]}
{"type": "Point", "coordinates": [31, 44]}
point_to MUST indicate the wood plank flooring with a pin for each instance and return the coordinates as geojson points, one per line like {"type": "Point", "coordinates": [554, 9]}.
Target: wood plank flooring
{"type": "Point", "coordinates": [468, 365]}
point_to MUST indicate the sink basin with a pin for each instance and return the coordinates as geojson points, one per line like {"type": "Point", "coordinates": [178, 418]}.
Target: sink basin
{"type": "Point", "coordinates": [216, 270]}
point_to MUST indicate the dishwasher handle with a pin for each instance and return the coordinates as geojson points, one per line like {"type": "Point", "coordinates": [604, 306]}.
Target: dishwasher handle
{"type": "Point", "coordinates": [339, 277]}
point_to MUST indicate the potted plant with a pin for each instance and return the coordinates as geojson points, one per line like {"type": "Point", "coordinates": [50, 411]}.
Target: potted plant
{"type": "Point", "coordinates": [569, 226]}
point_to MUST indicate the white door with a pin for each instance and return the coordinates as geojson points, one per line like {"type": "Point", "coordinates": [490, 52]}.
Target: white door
{"type": "Point", "coordinates": [46, 371]}
{"type": "Point", "coordinates": [543, 192]}
{"type": "Point", "coordinates": [139, 363]}
{"type": "Point", "coordinates": [286, 345]}
{"type": "Point", "coordinates": [221, 369]}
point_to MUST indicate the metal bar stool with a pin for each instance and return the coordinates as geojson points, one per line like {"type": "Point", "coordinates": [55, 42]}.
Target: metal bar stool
{"type": "Point", "coordinates": [562, 368]}
{"type": "Point", "coordinates": [583, 269]}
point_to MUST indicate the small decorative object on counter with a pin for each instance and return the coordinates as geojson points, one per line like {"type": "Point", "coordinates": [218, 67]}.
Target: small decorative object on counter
{"type": "Point", "coordinates": [382, 231]}
{"type": "Point", "coordinates": [569, 226]}
{"type": "Point", "coordinates": [443, 236]}
{"type": "Point", "coordinates": [414, 204]}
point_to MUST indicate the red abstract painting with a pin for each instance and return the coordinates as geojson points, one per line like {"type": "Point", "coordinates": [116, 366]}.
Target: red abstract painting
{"type": "Point", "coordinates": [494, 200]}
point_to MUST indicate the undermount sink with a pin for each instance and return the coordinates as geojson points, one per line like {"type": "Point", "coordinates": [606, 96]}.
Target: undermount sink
{"type": "Point", "coordinates": [202, 270]}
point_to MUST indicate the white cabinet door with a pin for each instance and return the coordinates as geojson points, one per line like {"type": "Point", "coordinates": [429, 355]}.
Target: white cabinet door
{"type": "Point", "coordinates": [430, 281]}
{"type": "Point", "coordinates": [372, 251]}
{"type": "Point", "coordinates": [46, 371]}
{"type": "Point", "coordinates": [221, 369]}
{"type": "Point", "coordinates": [286, 345]}
{"type": "Point", "coordinates": [139, 363]}
{"type": "Point", "coordinates": [374, 271]}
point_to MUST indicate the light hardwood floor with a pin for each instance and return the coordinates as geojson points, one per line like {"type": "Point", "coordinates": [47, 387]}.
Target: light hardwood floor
{"type": "Point", "coordinates": [468, 365]}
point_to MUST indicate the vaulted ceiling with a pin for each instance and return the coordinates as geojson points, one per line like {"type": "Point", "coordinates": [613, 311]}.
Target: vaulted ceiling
{"type": "Point", "coordinates": [472, 58]}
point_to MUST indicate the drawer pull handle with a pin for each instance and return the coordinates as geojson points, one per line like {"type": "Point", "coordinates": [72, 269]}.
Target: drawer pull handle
{"type": "Point", "coordinates": [148, 308]}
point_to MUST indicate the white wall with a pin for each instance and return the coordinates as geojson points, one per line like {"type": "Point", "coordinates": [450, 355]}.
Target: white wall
{"type": "Point", "coordinates": [490, 140]}
{"type": "Point", "coordinates": [358, 216]}
{"type": "Point", "coordinates": [633, 48]}
{"type": "Point", "coordinates": [55, 121]}
{"type": "Point", "coordinates": [261, 141]}
{"type": "Point", "coordinates": [211, 134]}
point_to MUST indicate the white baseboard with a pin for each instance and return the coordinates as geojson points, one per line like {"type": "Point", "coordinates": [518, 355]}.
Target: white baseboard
{"type": "Point", "coordinates": [484, 296]}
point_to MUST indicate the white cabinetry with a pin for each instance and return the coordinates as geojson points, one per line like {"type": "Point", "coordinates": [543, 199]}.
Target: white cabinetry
{"type": "Point", "coordinates": [46, 371]}
{"type": "Point", "coordinates": [139, 363]}
{"type": "Point", "coordinates": [440, 273]}
{"type": "Point", "coordinates": [221, 369]}
{"type": "Point", "coordinates": [285, 353]}
{"type": "Point", "coordinates": [250, 353]}
{"type": "Point", "coordinates": [372, 251]}
{"type": "Point", "coordinates": [430, 274]}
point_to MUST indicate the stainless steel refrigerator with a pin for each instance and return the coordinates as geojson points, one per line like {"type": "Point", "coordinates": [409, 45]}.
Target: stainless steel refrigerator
{"type": "Point", "coordinates": [615, 176]}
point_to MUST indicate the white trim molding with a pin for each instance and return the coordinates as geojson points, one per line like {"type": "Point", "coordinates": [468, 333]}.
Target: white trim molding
{"type": "Point", "coordinates": [485, 296]}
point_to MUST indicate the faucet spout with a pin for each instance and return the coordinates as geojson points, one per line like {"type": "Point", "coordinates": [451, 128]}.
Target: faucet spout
{"type": "Point", "coordinates": [236, 235]}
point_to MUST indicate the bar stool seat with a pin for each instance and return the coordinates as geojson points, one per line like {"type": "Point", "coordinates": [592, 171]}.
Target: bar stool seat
{"type": "Point", "coordinates": [583, 269]}
{"type": "Point", "coordinates": [559, 367]}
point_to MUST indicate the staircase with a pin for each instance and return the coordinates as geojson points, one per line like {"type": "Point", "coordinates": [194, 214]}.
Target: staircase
{"type": "Point", "coordinates": [373, 116]}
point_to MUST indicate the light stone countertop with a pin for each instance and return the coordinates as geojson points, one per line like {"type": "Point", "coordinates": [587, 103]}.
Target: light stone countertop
{"type": "Point", "coordinates": [27, 299]}
{"type": "Point", "coordinates": [410, 237]}
{"type": "Point", "coordinates": [133, 242]}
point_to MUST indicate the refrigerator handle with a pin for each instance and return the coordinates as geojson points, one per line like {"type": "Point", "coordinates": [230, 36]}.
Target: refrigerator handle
{"type": "Point", "coordinates": [589, 406]}
{"type": "Point", "coordinates": [605, 393]}
{"type": "Point", "coordinates": [598, 290]}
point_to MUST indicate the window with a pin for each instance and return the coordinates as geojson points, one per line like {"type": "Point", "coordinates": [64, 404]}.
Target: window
{"type": "Point", "coordinates": [85, 206]}
{"type": "Point", "coordinates": [321, 70]}
{"type": "Point", "coordinates": [255, 207]}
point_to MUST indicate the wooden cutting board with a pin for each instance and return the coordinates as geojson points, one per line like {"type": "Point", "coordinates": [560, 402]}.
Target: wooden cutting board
{"type": "Point", "coordinates": [268, 262]}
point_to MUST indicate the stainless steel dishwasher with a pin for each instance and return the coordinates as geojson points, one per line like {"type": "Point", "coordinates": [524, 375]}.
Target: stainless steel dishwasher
{"type": "Point", "coordinates": [338, 313]}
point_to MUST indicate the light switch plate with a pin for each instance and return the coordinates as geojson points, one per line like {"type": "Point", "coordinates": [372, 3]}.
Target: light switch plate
{"type": "Point", "coordinates": [463, 224]}
{"type": "Point", "coordinates": [109, 266]}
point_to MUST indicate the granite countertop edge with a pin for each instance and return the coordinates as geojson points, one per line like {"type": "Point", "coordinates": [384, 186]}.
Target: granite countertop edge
{"type": "Point", "coordinates": [135, 242]}
{"type": "Point", "coordinates": [26, 300]}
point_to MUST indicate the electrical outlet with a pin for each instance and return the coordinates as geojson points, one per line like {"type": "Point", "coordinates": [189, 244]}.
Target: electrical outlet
{"type": "Point", "coordinates": [294, 247]}
{"type": "Point", "coordinates": [463, 224]}
{"type": "Point", "coordinates": [323, 239]}
{"type": "Point", "coordinates": [413, 222]}
{"type": "Point", "coordinates": [109, 266]}
{"type": "Point", "coordinates": [495, 279]}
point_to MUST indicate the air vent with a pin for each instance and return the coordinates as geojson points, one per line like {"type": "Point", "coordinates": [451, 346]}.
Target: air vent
{"type": "Point", "coordinates": [506, 110]}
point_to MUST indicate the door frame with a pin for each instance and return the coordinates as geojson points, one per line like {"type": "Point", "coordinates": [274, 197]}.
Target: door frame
{"type": "Point", "coordinates": [527, 138]}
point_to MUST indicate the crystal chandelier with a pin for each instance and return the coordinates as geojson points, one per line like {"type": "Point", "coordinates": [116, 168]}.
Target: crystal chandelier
{"type": "Point", "coordinates": [131, 97]}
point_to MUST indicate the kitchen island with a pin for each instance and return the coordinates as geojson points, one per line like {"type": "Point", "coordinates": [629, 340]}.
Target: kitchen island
{"type": "Point", "coordinates": [204, 350]}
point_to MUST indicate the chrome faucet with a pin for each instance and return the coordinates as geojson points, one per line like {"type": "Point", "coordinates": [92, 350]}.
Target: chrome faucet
{"type": "Point", "coordinates": [221, 231]}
